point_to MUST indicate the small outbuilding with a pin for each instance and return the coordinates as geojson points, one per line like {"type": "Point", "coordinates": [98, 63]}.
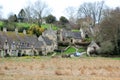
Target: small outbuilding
{"type": "Point", "coordinates": [92, 48]}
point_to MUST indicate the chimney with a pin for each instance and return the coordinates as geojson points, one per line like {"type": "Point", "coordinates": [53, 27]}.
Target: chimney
{"type": "Point", "coordinates": [4, 29]}
{"type": "Point", "coordinates": [82, 33]}
{"type": "Point", "coordinates": [24, 31]}
{"type": "Point", "coordinates": [61, 35]}
{"type": "Point", "coordinates": [16, 30]}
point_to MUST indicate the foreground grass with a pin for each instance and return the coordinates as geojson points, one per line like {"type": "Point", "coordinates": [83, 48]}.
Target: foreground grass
{"type": "Point", "coordinates": [25, 58]}
{"type": "Point", "coordinates": [47, 68]}
{"type": "Point", "coordinates": [39, 58]}
{"type": "Point", "coordinates": [118, 58]}
{"type": "Point", "coordinates": [27, 25]}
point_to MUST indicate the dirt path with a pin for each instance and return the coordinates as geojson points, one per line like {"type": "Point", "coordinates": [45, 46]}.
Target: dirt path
{"type": "Point", "coordinates": [60, 69]}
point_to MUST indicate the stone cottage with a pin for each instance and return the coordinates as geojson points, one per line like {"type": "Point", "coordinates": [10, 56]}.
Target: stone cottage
{"type": "Point", "coordinates": [52, 36]}
{"type": "Point", "coordinates": [92, 48]}
{"type": "Point", "coordinates": [17, 44]}
{"type": "Point", "coordinates": [48, 45]}
{"type": "Point", "coordinates": [69, 36]}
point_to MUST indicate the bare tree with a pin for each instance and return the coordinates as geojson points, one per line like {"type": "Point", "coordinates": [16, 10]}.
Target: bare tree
{"type": "Point", "coordinates": [29, 13]}
{"type": "Point", "coordinates": [71, 13]}
{"type": "Point", "coordinates": [37, 11]}
{"type": "Point", "coordinates": [40, 9]}
{"type": "Point", "coordinates": [93, 10]}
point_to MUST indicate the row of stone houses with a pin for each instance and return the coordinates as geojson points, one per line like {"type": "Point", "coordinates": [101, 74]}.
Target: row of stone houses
{"type": "Point", "coordinates": [17, 44]}
{"type": "Point", "coordinates": [71, 36]}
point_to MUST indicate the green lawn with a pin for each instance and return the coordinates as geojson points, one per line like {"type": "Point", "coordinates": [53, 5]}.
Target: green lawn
{"type": "Point", "coordinates": [81, 50]}
{"type": "Point", "coordinates": [118, 58]}
{"type": "Point", "coordinates": [73, 50]}
{"type": "Point", "coordinates": [75, 30]}
{"type": "Point", "coordinates": [1, 23]}
{"type": "Point", "coordinates": [70, 50]}
{"type": "Point", "coordinates": [27, 25]}
{"type": "Point", "coordinates": [49, 25]}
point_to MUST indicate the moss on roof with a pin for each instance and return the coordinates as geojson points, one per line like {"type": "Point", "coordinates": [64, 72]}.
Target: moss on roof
{"type": "Point", "coordinates": [14, 36]}
{"type": "Point", "coordinates": [25, 40]}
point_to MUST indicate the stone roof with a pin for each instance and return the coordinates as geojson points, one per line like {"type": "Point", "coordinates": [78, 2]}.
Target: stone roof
{"type": "Point", "coordinates": [75, 35]}
{"type": "Point", "coordinates": [93, 44]}
{"type": "Point", "coordinates": [19, 39]}
{"type": "Point", "coordinates": [49, 32]}
{"type": "Point", "coordinates": [38, 44]}
{"type": "Point", "coordinates": [47, 40]}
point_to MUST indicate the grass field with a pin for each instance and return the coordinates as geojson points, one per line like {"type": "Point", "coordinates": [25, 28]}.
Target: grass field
{"type": "Point", "coordinates": [48, 26]}
{"type": "Point", "coordinates": [73, 50]}
{"type": "Point", "coordinates": [1, 23]}
{"type": "Point", "coordinates": [27, 25]}
{"type": "Point", "coordinates": [47, 68]}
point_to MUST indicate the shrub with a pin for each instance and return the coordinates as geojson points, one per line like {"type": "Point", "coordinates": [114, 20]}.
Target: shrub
{"type": "Point", "coordinates": [24, 54]}
{"type": "Point", "coordinates": [7, 55]}
{"type": "Point", "coordinates": [34, 29]}
{"type": "Point", "coordinates": [106, 47]}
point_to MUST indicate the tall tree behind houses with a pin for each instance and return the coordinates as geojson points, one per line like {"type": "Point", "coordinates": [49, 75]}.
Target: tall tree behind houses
{"type": "Point", "coordinates": [29, 13]}
{"type": "Point", "coordinates": [50, 19]}
{"type": "Point", "coordinates": [36, 11]}
{"type": "Point", "coordinates": [21, 15]}
{"type": "Point", "coordinates": [71, 13]}
{"type": "Point", "coordinates": [110, 30]}
{"type": "Point", "coordinates": [40, 9]}
{"type": "Point", "coordinates": [94, 10]}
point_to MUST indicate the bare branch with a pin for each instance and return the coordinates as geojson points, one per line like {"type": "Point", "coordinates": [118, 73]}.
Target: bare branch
{"type": "Point", "coordinates": [94, 10]}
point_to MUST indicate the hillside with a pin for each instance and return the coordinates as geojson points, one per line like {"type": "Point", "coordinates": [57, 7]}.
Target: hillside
{"type": "Point", "coordinates": [28, 25]}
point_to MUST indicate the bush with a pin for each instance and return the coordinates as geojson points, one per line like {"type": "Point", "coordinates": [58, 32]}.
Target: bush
{"type": "Point", "coordinates": [34, 29]}
{"type": "Point", "coordinates": [106, 47]}
{"type": "Point", "coordinates": [81, 50]}
{"type": "Point", "coordinates": [24, 54]}
{"type": "Point", "coordinates": [87, 39]}
{"type": "Point", "coordinates": [7, 55]}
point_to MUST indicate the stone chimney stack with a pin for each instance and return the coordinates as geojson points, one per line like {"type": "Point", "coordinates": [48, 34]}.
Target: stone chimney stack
{"type": "Point", "coordinates": [82, 33]}
{"type": "Point", "coordinates": [4, 29]}
{"type": "Point", "coordinates": [61, 35]}
{"type": "Point", "coordinates": [24, 31]}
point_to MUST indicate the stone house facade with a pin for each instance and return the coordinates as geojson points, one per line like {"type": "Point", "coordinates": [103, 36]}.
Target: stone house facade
{"type": "Point", "coordinates": [93, 48]}
{"type": "Point", "coordinates": [17, 44]}
{"type": "Point", "coordinates": [69, 36]}
{"type": "Point", "coordinates": [52, 35]}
